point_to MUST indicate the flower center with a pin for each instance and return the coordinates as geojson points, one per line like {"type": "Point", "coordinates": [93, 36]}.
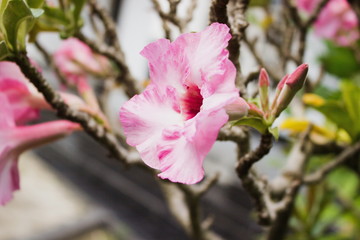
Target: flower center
{"type": "Point", "coordinates": [191, 102]}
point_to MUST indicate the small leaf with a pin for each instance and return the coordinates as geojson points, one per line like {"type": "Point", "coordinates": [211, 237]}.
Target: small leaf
{"type": "Point", "coordinates": [35, 3]}
{"type": "Point", "coordinates": [37, 12]}
{"type": "Point", "coordinates": [4, 52]}
{"type": "Point", "coordinates": [79, 4]}
{"type": "Point", "coordinates": [17, 19]}
{"type": "Point", "coordinates": [275, 132]}
{"type": "Point", "coordinates": [253, 122]}
{"type": "Point", "coordinates": [350, 94]}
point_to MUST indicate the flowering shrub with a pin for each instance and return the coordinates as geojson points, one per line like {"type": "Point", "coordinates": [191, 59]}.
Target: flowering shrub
{"type": "Point", "coordinates": [193, 99]}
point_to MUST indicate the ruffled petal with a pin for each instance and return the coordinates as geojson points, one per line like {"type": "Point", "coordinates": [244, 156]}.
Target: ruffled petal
{"type": "Point", "coordinates": [221, 91]}
{"type": "Point", "coordinates": [167, 63]}
{"type": "Point", "coordinates": [206, 51]}
{"type": "Point", "coordinates": [182, 154]}
{"type": "Point", "coordinates": [144, 117]}
{"type": "Point", "coordinates": [17, 94]}
{"type": "Point", "coordinates": [9, 176]}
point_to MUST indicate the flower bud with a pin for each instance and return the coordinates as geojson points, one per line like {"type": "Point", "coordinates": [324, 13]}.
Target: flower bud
{"type": "Point", "coordinates": [287, 89]}
{"type": "Point", "coordinates": [237, 109]}
{"type": "Point", "coordinates": [263, 90]}
{"type": "Point", "coordinates": [255, 111]}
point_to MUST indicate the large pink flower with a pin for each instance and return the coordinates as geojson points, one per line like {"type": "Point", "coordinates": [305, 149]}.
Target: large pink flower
{"type": "Point", "coordinates": [175, 121]}
{"type": "Point", "coordinates": [14, 140]}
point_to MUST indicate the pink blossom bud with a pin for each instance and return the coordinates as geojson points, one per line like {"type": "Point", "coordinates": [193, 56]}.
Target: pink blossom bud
{"type": "Point", "coordinates": [282, 82]}
{"type": "Point", "coordinates": [264, 83]}
{"type": "Point", "coordinates": [296, 80]}
{"type": "Point", "coordinates": [264, 78]}
{"type": "Point", "coordinates": [237, 109]}
{"type": "Point", "coordinates": [287, 89]}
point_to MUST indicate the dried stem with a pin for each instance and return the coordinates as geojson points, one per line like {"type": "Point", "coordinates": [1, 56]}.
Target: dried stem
{"type": "Point", "coordinates": [284, 188]}
{"type": "Point", "coordinates": [246, 162]}
{"type": "Point", "coordinates": [237, 24]}
{"type": "Point", "coordinates": [252, 47]}
{"type": "Point", "coordinates": [184, 204]}
{"type": "Point", "coordinates": [50, 61]}
{"type": "Point", "coordinates": [109, 24]}
{"type": "Point", "coordinates": [321, 173]}
{"type": "Point", "coordinates": [125, 78]}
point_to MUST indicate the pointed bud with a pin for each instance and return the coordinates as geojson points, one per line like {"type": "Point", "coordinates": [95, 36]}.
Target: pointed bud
{"type": "Point", "coordinates": [263, 90]}
{"type": "Point", "coordinates": [264, 78]}
{"type": "Point", "coordinates": [255, 111]}
{"type": "Point", "coordinates": [296, 80]}
{"type": "Point", "coordinates": [282, 82]}
{"type": "Point", "coordinates": [287, 89]}
{"type": "Point", "coordinates": [279, 87]}
{"type": "Point", "coordinates": [237, 109]}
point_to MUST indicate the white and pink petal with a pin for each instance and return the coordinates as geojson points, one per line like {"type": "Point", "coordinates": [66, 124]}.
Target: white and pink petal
{"type": "Point", "coordinates": [181, 156]}
{"type": "Point", "coordinates": [206, 51]}
{"type": "Point", "coordinates": [144, 117]}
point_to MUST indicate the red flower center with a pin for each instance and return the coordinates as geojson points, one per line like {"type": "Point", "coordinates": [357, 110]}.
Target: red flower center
{"type": "Point", "coordinates": [191, 102]}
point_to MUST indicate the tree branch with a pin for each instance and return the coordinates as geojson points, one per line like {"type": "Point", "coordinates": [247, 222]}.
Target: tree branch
{"type": "Point", "coordinates": [125, 78]}
{"type": "Point", "coordinates": [95, 130]}
{"type": "Point", "coordinates": [246, 162]}
{"type": "Point", "coordinates": [321, 173]}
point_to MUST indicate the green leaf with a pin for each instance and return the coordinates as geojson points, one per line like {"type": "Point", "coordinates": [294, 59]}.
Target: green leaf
{"type": "Point", "coordinates": [350, 94]}
{"type": "Point", "coordinates": [4, 52]}
{"type": "Point", "coordinates": [254, 122]}
{"type": "Point", "coordinates": [35, 3]}
{"type": "Point", "coordinates": [78, 4]}
{"type": "Point", "coordinates": [17, 19]}
{"type": "Point", "coordinates": [340, 61]}
{"type": "Point", "coordinates": [336, 112]}
{"type": "Point", "coordinates": [36, 12]}
{"type": "Point", "coordinates": [275, 132]}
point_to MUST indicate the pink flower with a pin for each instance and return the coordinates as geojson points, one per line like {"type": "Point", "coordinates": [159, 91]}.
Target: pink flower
{"type": "Point", "coordinates": [175, 121]}
{"type": "Point", "coordinates": [307, 5]}
{"type": "Point", "coordinates": [337, 21]}
{"type": "Point", "coordinates": [75, 59]}
{"type": "Point", "coordinates": [15, 140]}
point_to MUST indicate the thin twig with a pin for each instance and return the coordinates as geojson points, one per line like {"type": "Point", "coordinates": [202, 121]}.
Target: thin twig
{"type": "Point", "coordinates": [252, 47]}
{"type": "Point", "coordinates": [125, 78]}
{"type": "Point", "coordinates": [321, 173]}
{"type": "Point", "coordinates": [50, 62]}
{"type": "Point", "coordinates": [109, 24]}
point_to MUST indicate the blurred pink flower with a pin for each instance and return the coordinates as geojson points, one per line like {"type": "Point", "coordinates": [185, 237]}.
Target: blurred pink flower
{"type": "Point", "coordinates": [307, 5]}
{"type": "Point", "coordinates": [16, 139]}
{"type": "Point", "coordinates": [175, 121]}
{"type": "Point", "coordinates": [337, 21]}
{"type": "Point", "coordinates": [75, 59]}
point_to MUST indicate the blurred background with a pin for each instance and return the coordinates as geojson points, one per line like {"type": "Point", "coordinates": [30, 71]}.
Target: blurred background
{"type": "Point", "coordinates": [71, 190]}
